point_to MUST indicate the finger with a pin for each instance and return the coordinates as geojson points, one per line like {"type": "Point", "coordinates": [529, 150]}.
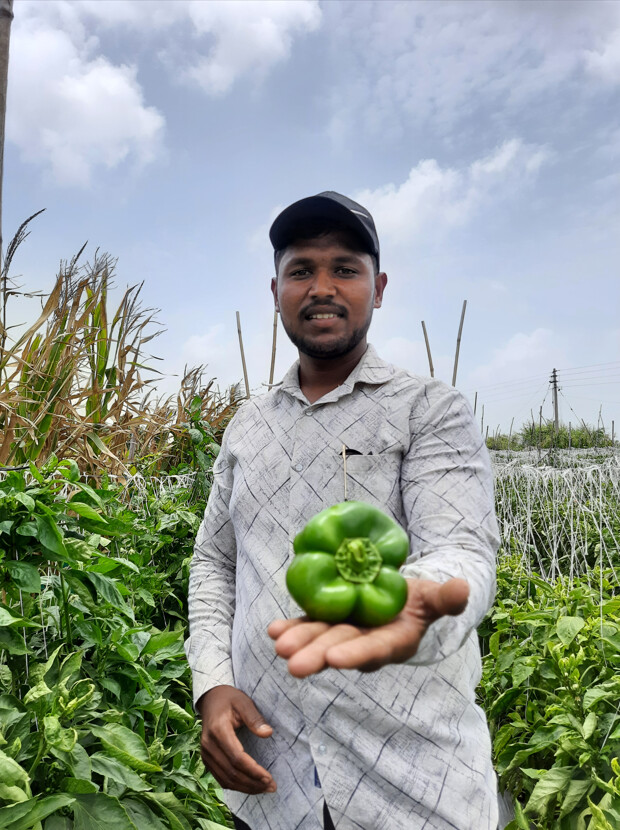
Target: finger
{"type": "Point", "coordinates": [228, 752]}
{"type": "Point", "coordinates": [449, 598]}
{"type": "Point", "coordinates": [248, 715]}
{"type": "Point", "coordinates": [278, 627]}
{"type": "Point", "coordinates": [311, 658]}
{"type": "Point", "coordinates": [376, 648]}
{"type": "Point", "coordinates": [233, 779]}
{"type": "Point", "coordinates": [299, 636]}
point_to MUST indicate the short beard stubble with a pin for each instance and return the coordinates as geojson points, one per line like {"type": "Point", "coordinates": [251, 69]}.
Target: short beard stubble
{"type": "Point", "coordinates": [332, 350]}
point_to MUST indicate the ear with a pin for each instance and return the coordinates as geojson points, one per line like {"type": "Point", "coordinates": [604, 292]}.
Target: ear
{"type": "Point", "coordinates": [380, 283]}
{"type": "Point", "coordinates": [274, 291]}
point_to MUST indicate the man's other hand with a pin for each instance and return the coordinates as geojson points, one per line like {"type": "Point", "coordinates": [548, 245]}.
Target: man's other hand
{"type": "Point", "coordinates": [223, 710]}
{"type": "Point", "coordinates": [311, 646]}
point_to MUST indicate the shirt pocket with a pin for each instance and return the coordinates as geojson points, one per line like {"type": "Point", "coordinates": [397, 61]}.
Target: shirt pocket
{"type": "Point", "coordinates": [375, 479]}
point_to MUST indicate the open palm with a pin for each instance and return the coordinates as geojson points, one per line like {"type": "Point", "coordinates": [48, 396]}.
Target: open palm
{"type": "Point", "coordinates": [311, 646]}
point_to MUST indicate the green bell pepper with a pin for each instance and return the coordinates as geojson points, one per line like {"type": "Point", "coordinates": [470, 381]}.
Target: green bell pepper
{"type": "Point", "coordinates": [346, 566]}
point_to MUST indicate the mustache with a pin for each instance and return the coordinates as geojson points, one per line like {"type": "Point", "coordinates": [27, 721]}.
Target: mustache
{"type": "Point", "coordinates": [323, 308]}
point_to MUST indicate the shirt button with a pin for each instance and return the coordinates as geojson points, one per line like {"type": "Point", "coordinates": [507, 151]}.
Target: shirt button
{"type": "Point", "coordinates": [298, 467]}
{"type": "Point", "coordinates": [322, 749]}
{"type": "Point", "coordinates": [308, 412]}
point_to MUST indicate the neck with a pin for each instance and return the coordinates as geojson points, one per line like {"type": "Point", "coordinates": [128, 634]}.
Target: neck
{"type": "Point", "coordinates": [318, 376]}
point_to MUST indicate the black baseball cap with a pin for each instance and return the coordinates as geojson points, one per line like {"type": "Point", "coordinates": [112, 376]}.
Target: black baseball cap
{"type": "Point", "coordinates": [327, 205]}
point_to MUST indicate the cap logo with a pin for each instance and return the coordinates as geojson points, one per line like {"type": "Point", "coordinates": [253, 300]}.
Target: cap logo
{"type": "Point", "coordinates": [359, 213]}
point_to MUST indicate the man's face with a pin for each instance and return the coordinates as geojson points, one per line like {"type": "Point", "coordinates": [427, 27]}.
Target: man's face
{"type": "Point", "coordinates": [325, 292]}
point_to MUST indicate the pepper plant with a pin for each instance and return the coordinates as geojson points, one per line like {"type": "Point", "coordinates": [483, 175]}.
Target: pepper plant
{"type": "Point", "coordinates": [97, 728]}
{"type": "Point", "coordinates": [550, 688]}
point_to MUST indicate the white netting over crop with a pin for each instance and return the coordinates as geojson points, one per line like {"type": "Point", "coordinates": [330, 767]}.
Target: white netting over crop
{"type": "Point", "coordinates": [560, 521]}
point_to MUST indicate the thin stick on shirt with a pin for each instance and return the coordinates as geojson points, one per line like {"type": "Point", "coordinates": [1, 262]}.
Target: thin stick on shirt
{"type": "Point", "coordinates": [344, 469]}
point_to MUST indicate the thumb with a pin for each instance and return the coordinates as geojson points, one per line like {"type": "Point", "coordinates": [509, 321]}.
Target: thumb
{"type": "Point", "coordinates": [252, 718]}
{"type": "Point", "coordinates": [449, 598]}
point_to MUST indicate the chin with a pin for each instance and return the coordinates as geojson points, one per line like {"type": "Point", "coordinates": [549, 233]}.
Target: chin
{"type": "Point", "coordinates": [332, 349]}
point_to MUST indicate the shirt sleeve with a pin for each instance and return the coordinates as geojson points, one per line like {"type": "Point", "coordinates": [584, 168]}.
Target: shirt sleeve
{"type": "Point", "coordinates": [211, 599]}
{"type": "Point", "coordinates": [448, 501]}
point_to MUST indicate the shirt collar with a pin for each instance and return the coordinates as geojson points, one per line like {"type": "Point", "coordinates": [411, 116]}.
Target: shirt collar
{"type": "Point", "coordinates": [370, 369]}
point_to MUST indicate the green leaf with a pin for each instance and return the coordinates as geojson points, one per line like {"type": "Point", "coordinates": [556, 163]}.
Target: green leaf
{"type": "Point", "coordinates": [77, 762]}
{"type": "Point", "coordinates": [78, 785]}
{"type": "Point", "coordinates": [37, 692]}
{"type": "Point", "coordinates": [108, 591]}
{"type": "Point", "coordinates": [11, 773]}
{"type": "Point", "coordinates": [25, 816]}
{"type": "Point", "coordinates": [521, 670]}
{"type": "Point", "coordinates": [113, 768]}
{"type": "Point", "coordinates": [494, 644]}
{"type": "Point", "coordinates": [142, 816]}
{"type": "Point", "coordinates": [599, 815]}
{"type": "Point", "coordinates": [128, 651]}
{"type": "Point", "coordinates": [6, 618]}
{"type": "Point", "coordinates": [56, 736]}
{"type": "Point", "coordinates": [554, 782]}
{"type": "Point", "coordinates": [79, 550]}
{"type": "Point", "coordinates": [49, 535]}
{"type": "Point", "coordinates": [25, 576]}
{"type": "Point", "coordinates": [589, 725]}
{"type": "Point", "coordinates": [174, 712]}
{"type": "Point", "coordinates": [568, 628]}
{"type": "Point", "coordinates": [577, 790]}
{"type": "Point", "coordinates": [5, 527]}
{"type": "Point", "coordinates": [124, 745]}
{"type": "Point", "coordinates": [147, 596]}
{"type": "Point", "coordinates": [58, 823]}
{"type": "Point", "coordinates": [27, 501]}
{"type": "Point", "coordinates": [504, 702]}
{"type": "Point", "coordinates": [99, 811]}
{"type": "Point", "coordinates": [12, 794]}
{"type": "Point", "coordinates": [111, 685]}
{"type": "Point", "coordinates": [72, 473]}
{"type": "Point", "coordinates": [161, 640]}
{"type": "Point", "coordinates": [86, 511]}
{"type": "Point", "coordinates": [596, 693]}
{"type": "Point", "coordinates": [175, 819]}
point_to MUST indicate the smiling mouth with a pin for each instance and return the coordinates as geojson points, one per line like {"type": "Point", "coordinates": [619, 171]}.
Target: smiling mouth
{"type": "Point", "coordinates": [322, 316]}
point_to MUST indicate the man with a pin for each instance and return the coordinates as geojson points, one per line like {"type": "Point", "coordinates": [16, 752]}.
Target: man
{"type": "Point", "coordinates": [352, 729]}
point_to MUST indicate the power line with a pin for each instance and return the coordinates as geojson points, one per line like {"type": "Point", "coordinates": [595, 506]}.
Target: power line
{"type": "Point", "coordinates": [597, 383]}
{"type": "Point", "coordinates": [590, 366]}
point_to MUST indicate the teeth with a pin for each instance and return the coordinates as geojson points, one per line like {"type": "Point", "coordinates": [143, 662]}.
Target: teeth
{"type": "Point", "coordinates": [322, 316]}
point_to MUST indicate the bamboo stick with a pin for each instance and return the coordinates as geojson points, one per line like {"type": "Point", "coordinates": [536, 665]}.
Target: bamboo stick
{"type": "Point", "coordinates": [428, 350]}
{"type": "Point", "coordinates": [245, 370]}
{"type": "Point", "coordinates": [458, 344]}
{"type": "Point", "coordinates": [273, 348]}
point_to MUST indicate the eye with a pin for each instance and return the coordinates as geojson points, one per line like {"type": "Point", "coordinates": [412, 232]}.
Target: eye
{"type": "Point", "coordinates": [345, 271]}
{"type": "Point", "coordinates": [299, 273]}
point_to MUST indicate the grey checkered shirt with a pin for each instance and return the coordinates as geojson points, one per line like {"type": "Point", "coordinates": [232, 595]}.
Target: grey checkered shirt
{"type": "Point", "coordinates": [402, 747]}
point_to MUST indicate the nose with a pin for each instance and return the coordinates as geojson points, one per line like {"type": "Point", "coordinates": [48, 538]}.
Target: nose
{"type": "Point", "coordinates": [323, 284]}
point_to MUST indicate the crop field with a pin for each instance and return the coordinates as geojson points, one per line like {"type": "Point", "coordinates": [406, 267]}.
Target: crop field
{"type": "Point", "coordinates": [551, 645]}
{"type": "Point", "coordinates": [96, 723]}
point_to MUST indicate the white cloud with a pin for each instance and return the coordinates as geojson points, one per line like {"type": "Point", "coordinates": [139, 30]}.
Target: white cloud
{"type": "Point", "coordinates": [251, 37]}
{"type": "Point", "coordinates": [411, 63]}
{"type": "Point", "coordinates": [229, 38]}
{"type": "Point", "coordinates": [70, 109]}
{"type": "Point", "coordinates": [74, 111]}
{"type": "Point", "coordinates": [435, 198]}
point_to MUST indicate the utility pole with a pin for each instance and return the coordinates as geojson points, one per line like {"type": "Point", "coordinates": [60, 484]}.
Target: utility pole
{"type": "Point", "coordinates": [554, 384]}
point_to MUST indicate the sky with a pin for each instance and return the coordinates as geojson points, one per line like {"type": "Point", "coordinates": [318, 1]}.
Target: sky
{"type": "Point", "coordinates": [484, 137]}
